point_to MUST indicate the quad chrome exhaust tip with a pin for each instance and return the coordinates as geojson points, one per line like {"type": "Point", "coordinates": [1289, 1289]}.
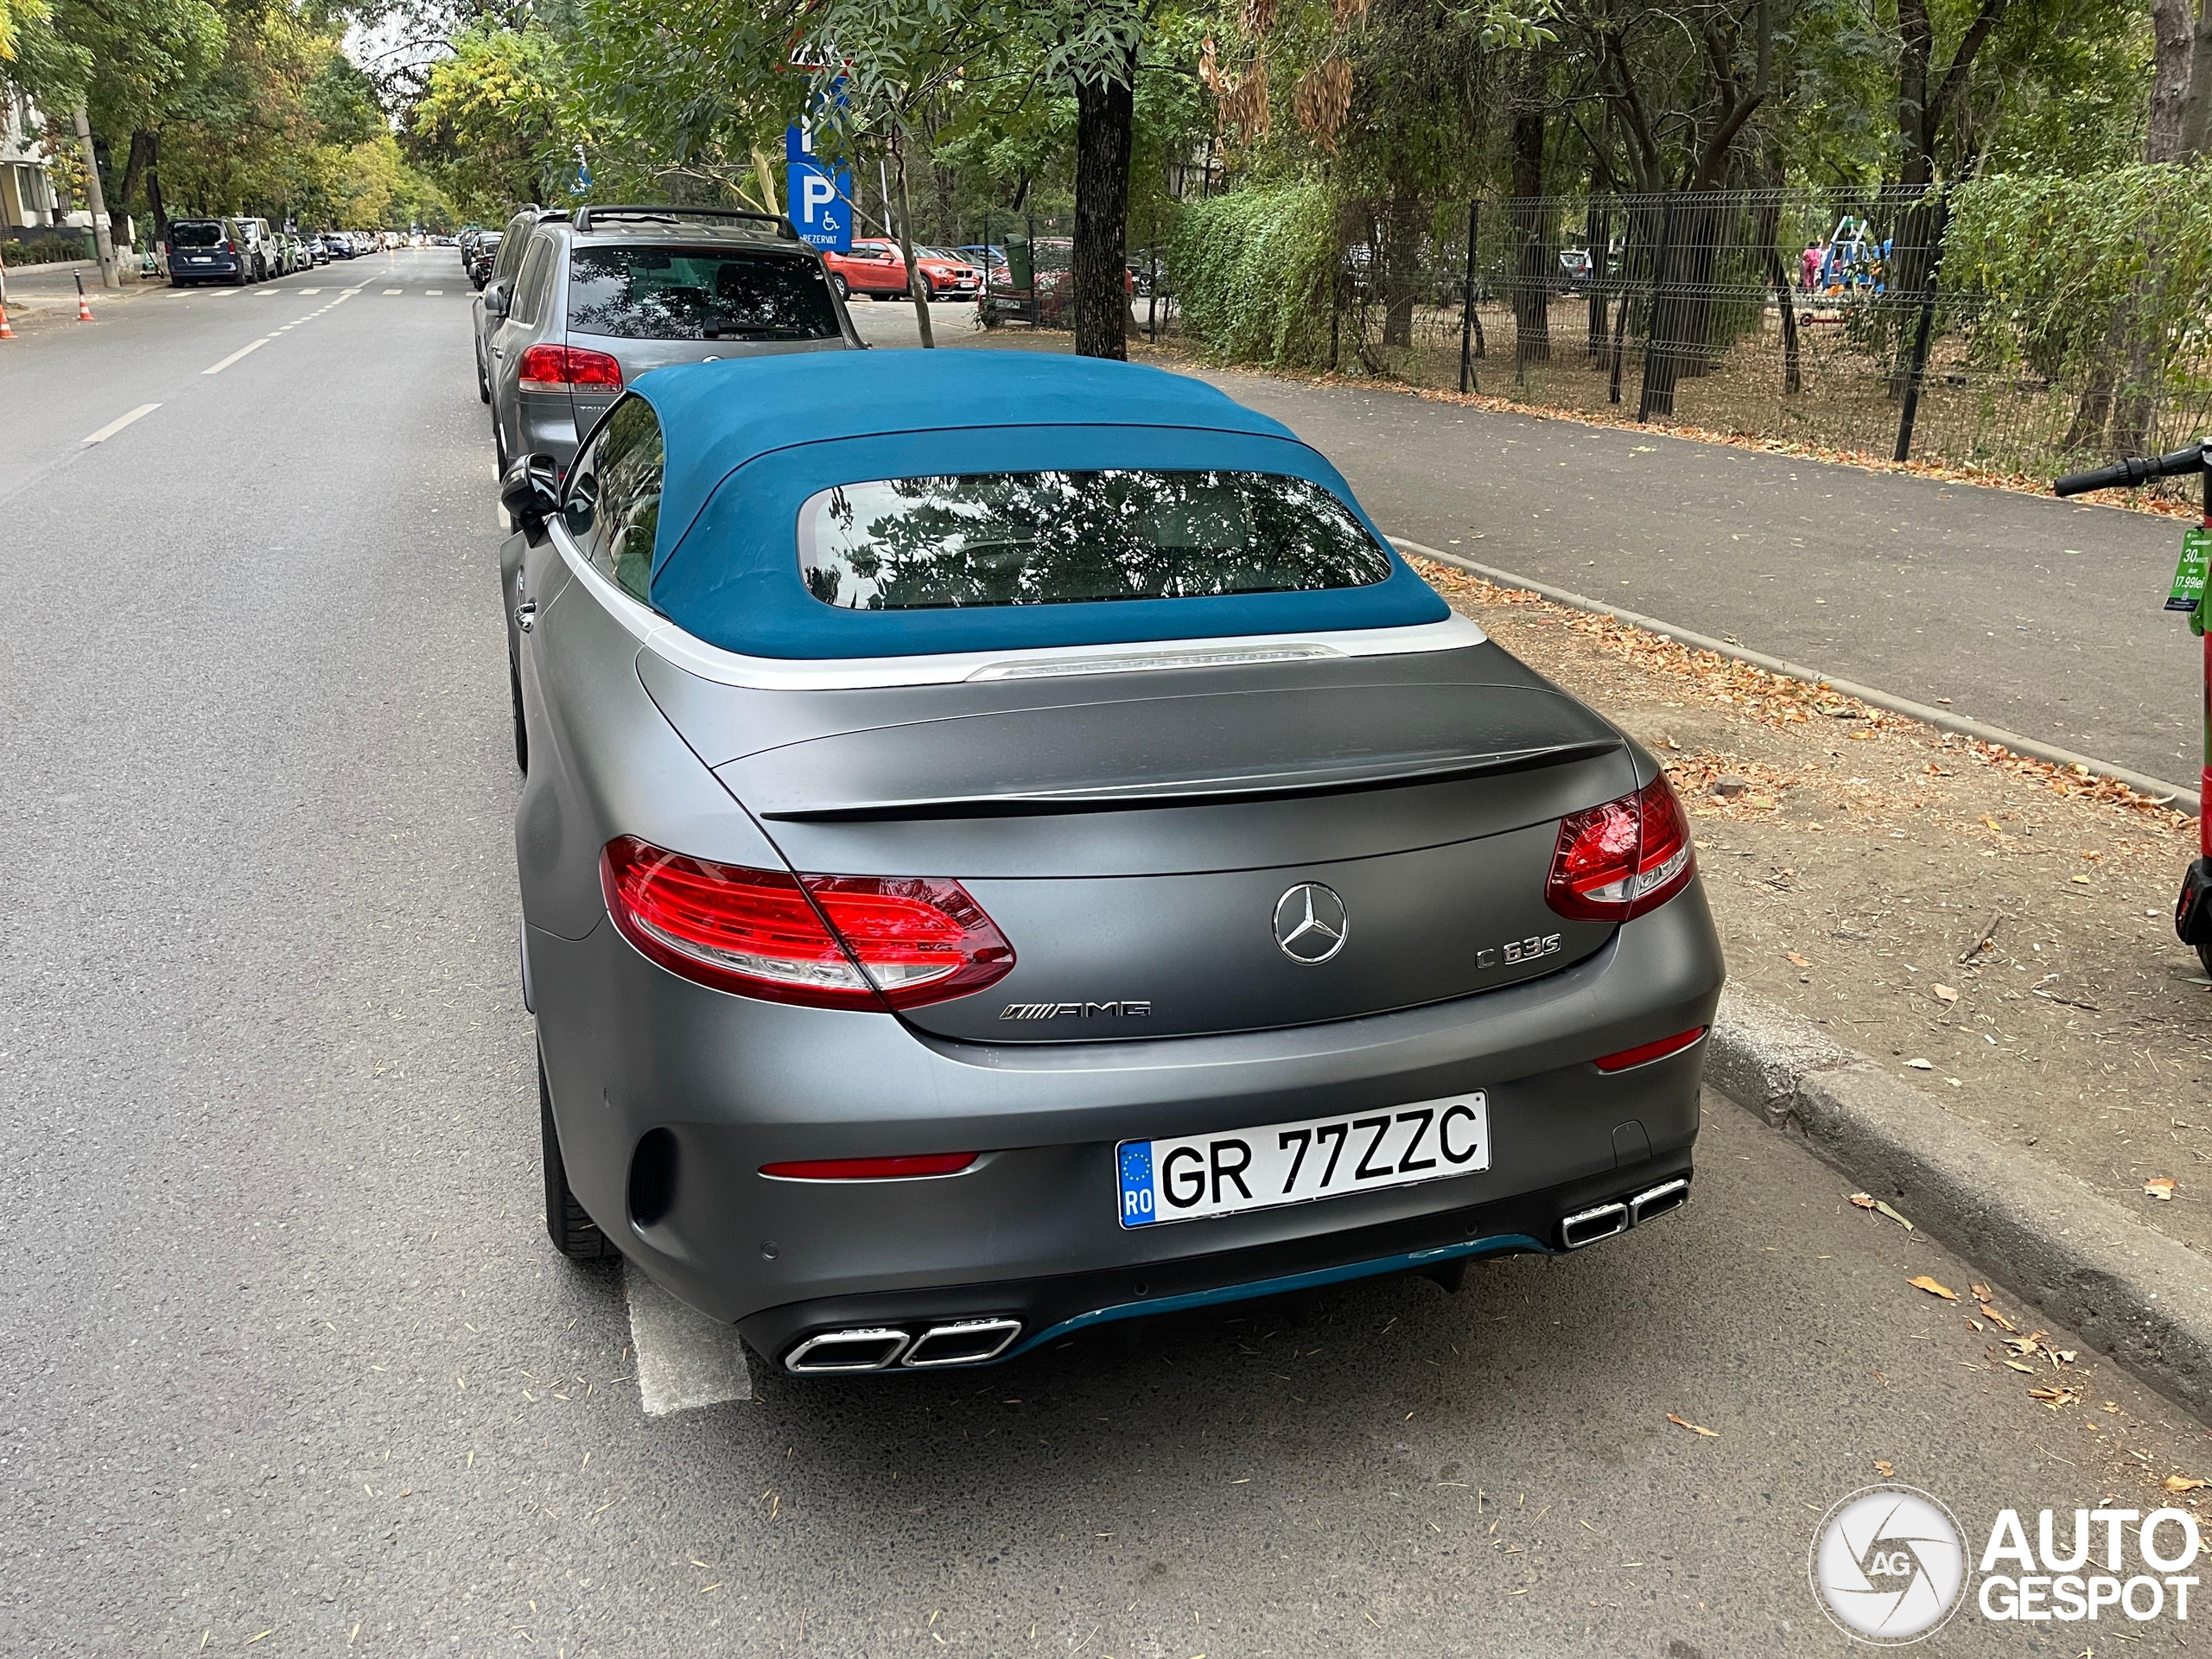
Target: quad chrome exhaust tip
{"type": "Point", "coordinates": [1606, 1220]}
{"type": "Point", "coordinates": [880, 1348]}
{"type": "Point", "coordinates": [1588, 1226]}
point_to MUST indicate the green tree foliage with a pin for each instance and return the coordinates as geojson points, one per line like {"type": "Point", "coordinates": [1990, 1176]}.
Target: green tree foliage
{"type": "Point", "coordinates": [1254, 270]}
{"type": "Point", "coordinates": [492, 126]}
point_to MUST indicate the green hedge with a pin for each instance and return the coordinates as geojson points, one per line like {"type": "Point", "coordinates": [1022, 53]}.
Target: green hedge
{"type": "Point", "coordinates": [1252, 271]}
{"type": "Point", "coordinates": [44, 251]}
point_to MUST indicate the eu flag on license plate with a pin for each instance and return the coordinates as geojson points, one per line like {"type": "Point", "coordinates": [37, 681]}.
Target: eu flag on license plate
{"type": "Point", "coordinates": [1136, 1184]}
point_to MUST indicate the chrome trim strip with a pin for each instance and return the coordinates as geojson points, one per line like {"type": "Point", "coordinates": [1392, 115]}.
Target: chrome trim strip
{"type": "Point", "coordinates": [694, 656]}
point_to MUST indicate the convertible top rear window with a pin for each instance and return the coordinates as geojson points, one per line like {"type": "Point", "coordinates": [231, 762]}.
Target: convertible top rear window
{"type": "Point", "coordinates": [1064, 538]}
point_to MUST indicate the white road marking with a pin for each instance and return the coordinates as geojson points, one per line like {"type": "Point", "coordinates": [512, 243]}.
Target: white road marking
{"type": "Point", "coordinates": [395, 290]}
{"type": "Point", "coordinates": [238, 353]}
{"type": "Point", "coordinates": [116, 425]}
{"type": "Point", "coordinates": [432, 293]}
{"type": "Point", "coordinates": [685, 1360]}
{"type": "Point", "coordinates": [310, 290]}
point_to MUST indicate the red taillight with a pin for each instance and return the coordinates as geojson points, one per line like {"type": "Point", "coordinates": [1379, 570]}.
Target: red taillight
{"type": "Point", "coordinates": [873, 1169]}
{"type": "Point", "coordinates": [1645, 1053]}
{"type": "Point", "coordinates": [1621, 859]}
{"type": "Point", "coordinates": [550, 368]}
{"type": "Point", "coordinates": [827, 940]}
{"type": "Point", "coordinates": [229, 247]}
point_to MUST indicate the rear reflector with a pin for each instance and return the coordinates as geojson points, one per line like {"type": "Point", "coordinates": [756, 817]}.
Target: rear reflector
{"type": "Point", "coordinates": [825, 941]}
{"type": "Point", "coordinates": [556, 368]}
{"type": "Point", "coordinates": [873, 1169]}
{"type": "Point", "coordinates": [1645, 1053]}
{"type": "Point", "coordinates": [1621, 859]}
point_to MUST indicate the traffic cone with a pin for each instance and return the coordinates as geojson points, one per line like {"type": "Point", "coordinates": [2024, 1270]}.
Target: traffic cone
{"type": "Point", "coordinates": [83, 305]}
{"type": "Point", "coordinates": [6, 332]}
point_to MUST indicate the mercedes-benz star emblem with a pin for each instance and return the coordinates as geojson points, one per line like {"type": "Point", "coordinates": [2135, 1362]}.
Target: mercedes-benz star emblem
{"type": "Point", "coordinates": [1310, 923]}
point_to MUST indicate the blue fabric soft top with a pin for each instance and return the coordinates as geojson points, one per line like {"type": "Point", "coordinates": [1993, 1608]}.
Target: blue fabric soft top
{"type": "Point", "coordinates": [748, 440]}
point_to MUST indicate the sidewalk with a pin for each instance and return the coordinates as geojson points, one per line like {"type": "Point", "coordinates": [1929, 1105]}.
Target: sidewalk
{"type": "Point", "coordinates": [41, 294]}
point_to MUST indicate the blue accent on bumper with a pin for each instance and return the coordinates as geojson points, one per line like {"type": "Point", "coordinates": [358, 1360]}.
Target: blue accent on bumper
{"type": "Point", "coordinates": [1502, 1243]}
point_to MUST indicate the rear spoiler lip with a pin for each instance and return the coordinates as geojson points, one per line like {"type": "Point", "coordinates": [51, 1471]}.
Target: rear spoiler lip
{"type": "Point", "coordinates": [1204, 791]}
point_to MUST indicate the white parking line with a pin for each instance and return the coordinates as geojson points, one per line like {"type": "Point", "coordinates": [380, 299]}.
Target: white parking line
{"type": "Point", "coordinates": [432, 293]}
{"type": "Point", "coordinates": [116, 425]}
{"type": "Point", "coordinates": [685, 1360]}
{"type": "Point", "coordinates": [395, 290]}
{"type": "Point", "coordinates": [310, 290]}
{"type": "Point", "coordinates": [238, 353]}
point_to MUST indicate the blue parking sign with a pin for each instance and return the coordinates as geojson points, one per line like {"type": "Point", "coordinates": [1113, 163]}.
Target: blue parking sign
{"type": "Point", "coordinates": [820, 204]}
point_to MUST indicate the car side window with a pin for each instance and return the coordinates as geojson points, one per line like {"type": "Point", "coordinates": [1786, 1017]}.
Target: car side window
{"type": "Point", "coordinates": [613, 505]}
{"type": "Point", "coordinates": [530, 288]}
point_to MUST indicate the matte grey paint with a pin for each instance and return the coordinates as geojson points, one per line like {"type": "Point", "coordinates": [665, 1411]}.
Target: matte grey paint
{"type": "Point", "coordinates": [1096, 896]}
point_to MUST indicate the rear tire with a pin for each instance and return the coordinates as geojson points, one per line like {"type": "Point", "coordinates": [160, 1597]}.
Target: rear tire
{"type": "Point", "coordinates": [483, 380]}
{"type": "Point", "coordinates": [573, 1231]}
{"type": "Point", "coordinates": [844, 289]}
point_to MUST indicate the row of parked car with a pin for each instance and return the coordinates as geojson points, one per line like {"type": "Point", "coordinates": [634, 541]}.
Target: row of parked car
{"type": "Point", "coordinates": [238, 250]}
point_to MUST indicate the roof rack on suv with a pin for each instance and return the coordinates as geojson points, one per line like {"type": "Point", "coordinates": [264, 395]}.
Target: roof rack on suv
{"type": "Point", "coordinates": [588, 217]}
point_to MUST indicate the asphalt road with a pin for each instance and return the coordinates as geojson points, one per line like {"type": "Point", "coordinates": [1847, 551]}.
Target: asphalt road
{"type": "Point", "coordinates": [292, 1365]}
{"type": "Point", "coordinates": [2038, 615]}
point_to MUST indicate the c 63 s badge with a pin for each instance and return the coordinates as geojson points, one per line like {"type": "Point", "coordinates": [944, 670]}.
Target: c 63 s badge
{"type": "Point", "coordinates": [1122, 1010]}
{"type": "Point", "coordinates": [1517, 951]}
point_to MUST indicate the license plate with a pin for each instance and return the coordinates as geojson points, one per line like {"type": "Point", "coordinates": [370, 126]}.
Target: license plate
{"type": "Point", "coordinates": [1224, 1174]}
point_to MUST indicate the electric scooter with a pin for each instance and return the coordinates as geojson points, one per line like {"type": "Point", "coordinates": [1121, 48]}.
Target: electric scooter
{"type": "Point", "coordinates": [2192, 909]}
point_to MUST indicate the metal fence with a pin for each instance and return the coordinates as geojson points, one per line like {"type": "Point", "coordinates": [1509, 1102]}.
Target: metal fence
{"type": "Point", "coordinates": [1706, 310]}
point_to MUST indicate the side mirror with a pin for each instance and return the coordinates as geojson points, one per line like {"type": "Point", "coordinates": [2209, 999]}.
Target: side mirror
{"type": "Point", "coordinates": [530, 492]}
{"type": "Point", "coordinates": [495, 299]}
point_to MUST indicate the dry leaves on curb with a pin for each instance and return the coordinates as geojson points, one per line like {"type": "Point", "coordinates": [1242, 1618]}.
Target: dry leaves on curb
{"type": "Point", "coordinates": [2057, 1396]}
{"type": "Point", "coordinates": [2160, 1187]}
{"type": "Point", "coordinates": [2184, 1482]}
{"type": "Point", "coordinates": [1918, 1064]}
{"type": "Point", "coordinates": [1923, 1282]}
{"type": "Point", "coordinates": [1945, 994]}
{"type": "Point", "coordinates": [1695, 1428]}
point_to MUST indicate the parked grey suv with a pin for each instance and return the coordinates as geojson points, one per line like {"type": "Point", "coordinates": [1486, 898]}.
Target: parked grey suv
{"type": "Point", "coordinates": [506, 247]}
{"type": "Point", "coordinates": [599, 299]}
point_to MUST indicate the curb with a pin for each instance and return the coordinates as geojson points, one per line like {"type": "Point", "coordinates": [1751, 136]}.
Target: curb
{"type": "Point", "coordinates": [2141, 1297]}
{"type": "Point", "coordinates": [2157, 790]}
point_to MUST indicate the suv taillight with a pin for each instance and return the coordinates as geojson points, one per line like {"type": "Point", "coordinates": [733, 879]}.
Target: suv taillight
{"type": "Point", "coordinates": [550, 368]}
{"type": "Point", "coordinates": [826, 941]}
{"type": "Point", "coordinates": [1622, 859]}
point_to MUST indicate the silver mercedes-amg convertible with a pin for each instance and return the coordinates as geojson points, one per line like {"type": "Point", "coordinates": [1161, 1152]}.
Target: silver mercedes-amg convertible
{"type": "Point", "coordinates": [1006, 845]}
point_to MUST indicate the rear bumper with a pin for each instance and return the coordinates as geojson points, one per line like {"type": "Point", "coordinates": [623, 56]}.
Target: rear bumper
{"type": "Point", "coordinates": [1044, 1310]}
{"type": "Point", "coordinates": [726, 1084]}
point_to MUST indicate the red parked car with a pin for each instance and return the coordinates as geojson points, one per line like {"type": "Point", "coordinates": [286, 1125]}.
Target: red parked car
{"type": "Point", "coordinates": [874, 268]}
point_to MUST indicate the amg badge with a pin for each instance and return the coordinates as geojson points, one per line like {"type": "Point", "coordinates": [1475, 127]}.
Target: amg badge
{"type": "Point", "coordinates": [1122, 1010]}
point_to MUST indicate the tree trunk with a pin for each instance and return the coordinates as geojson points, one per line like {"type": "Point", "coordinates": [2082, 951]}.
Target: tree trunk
{"type": "Point", "coordinates": [1531, 226]}
{"type": "Point", "coordinates": [1400, 251]}
{"type": "Point", "coordinates": [2173, 37]}
{"type": "Point", "coordinates": [154, 202]}
{"type": "Point", "coordinates": [1105, 120]}
{"type": "Point", "coordinates": [914, 289]}
{"type": "Point", "coordinates": [2196, 102]}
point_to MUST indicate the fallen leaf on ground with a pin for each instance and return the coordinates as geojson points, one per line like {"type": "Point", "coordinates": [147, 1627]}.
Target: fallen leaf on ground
{"type": "Point", "coordinates": [1802, 961]}
{"type": "Point", "coordinates": [1945, 994]}
{"type": "Point", "coordinates": [1923, 1282]}
{"type": "Point", "coordinates": [1995, 1318]}
{"type": "Point", "coordinates": [2161, 1187]}
{"type": "Point", "coordinates": [2184, 1482]}
{"type": "Point", "coordinates": [1864, 1200]}
{"type": "Point", "coordinates": [2017, 1366]}
{"type": "Point", "coordinates": [1695, 1428]}
{"type": "Point", "coordinates": [1980, 1292]}
{"type": "Point", "coordinates": [2056, 1397]}
{"type": "Point", "coordinates": [1885, 1470]}
{"type": "Point", "coordinates": [1922, 1065]}
{"type": "Point", "coordinates": [1894, 1215]}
